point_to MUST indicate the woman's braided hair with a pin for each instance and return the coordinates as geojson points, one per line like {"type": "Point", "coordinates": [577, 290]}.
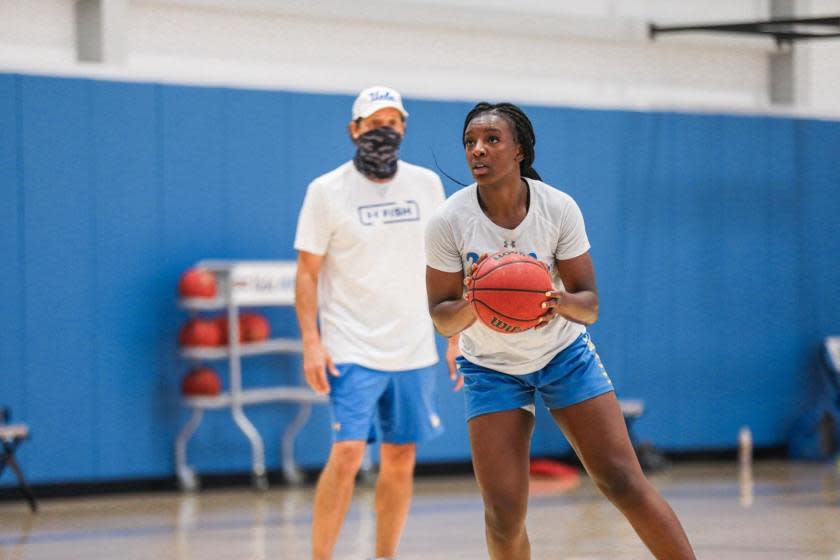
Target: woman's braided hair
{"type": "Point", "coordinates": [522, 127]}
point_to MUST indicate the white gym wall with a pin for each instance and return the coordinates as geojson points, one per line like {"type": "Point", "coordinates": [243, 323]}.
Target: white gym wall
{"type": "Point", "coordinates": [590, 53]}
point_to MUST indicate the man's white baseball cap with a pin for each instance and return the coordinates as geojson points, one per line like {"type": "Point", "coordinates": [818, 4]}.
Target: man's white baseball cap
{"type": "Point", "coordinates": [374, 98]}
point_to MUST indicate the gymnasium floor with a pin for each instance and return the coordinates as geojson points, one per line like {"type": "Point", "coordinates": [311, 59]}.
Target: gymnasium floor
{"type": "Point", "coordinates": [788, 511]}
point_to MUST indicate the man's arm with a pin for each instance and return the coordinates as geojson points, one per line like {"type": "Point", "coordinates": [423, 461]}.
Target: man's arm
{"type": "Point", "coordinates": [316, 361]}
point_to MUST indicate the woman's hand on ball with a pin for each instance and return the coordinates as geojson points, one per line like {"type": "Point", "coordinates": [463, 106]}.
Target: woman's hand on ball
{"type": "Point", "coordinates": [551, 305]}
{"type": "Point", "coordinates": [468, 280]}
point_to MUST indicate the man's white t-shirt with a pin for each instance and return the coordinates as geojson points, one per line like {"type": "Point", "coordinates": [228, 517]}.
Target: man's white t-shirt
{"type": "Point", "coordinates": [460, 232]}
{"type": "Point", "coordinates": [371, 289]}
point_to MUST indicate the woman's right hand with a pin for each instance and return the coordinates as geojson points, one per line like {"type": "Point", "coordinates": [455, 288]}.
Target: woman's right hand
{"type": "Point", "coordinates": [468, 279]}
{"type": "Point", "coordinates": [316, 363]}
{"type": "Point", "coordinates": [449, 302]}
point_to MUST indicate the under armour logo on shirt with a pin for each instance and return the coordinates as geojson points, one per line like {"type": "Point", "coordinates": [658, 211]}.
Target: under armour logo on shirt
{"type": "Point", "coordinates": [510, 244]}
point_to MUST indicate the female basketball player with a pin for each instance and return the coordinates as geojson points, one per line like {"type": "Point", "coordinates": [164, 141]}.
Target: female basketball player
{"type": "Point", "coordinates": [510, 207]}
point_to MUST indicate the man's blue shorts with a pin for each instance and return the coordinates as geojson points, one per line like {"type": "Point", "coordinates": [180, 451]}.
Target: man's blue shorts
{"type": "Point", "coordinates": [404, 400]}
{"type": "Point", "coordinates": [574, 375]}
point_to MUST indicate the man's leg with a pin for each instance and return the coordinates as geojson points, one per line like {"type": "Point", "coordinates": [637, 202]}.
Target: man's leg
{"type": "Point", "coordinates": [333, 495]}
{"type": "Point", "coordinates": [393, 495]}
{"type": "Point", "coordinates": [353, 397]}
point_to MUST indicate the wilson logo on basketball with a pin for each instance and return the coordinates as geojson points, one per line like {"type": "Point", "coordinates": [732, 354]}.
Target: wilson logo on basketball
{"type": "Point", "coordinates": [502, 254]}
{"type": "Point", "coordinates": [500, 325]}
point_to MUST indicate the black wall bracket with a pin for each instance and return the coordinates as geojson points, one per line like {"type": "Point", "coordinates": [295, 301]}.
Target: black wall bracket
{"type": "Point", "coordinates": [784, 31]}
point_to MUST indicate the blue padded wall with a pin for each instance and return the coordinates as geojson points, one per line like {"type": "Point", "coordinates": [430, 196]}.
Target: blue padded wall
{"type": "Point", "coordinates": [12, 280]}
{"type": "Point", "coordinates": [715, 239]}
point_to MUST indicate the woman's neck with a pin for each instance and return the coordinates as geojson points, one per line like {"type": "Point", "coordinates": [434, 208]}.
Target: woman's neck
{"type": "Point", "coordinates": [505, 203]}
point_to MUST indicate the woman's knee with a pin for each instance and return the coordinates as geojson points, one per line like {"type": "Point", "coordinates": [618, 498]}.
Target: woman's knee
{"type": "Point", "coordinates": [505, 511]}
{"type": "Point", "coordinates": [620, 482]}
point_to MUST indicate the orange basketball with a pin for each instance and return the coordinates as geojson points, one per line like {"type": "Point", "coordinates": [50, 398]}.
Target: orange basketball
{"type": "Point", "coordinates": [507, 291]}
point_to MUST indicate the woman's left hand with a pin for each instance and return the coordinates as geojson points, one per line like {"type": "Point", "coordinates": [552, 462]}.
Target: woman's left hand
{"type": "Point", "coordinates": [551, 306]}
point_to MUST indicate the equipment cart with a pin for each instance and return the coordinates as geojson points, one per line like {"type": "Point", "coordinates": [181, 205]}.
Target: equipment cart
{"type": "Point", "coordinates": [245, 284]}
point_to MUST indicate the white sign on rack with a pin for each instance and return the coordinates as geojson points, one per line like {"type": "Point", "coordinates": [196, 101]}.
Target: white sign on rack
{"type": "Point", "coordinates": [270, 283]}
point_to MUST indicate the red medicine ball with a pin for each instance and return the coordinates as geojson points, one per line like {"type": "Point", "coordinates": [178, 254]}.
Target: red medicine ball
{"type": "Point", "coordinates": [253, 327]}
{"type": "Point", "coordinates": [200, 332]}
{"type": "Point", "coordinates": [201, 381]}
{"type": "Point", "coordinates": [197, 283]}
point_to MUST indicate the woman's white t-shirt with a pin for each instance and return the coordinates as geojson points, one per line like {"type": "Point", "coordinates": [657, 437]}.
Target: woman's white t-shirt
{"type": "Point", "coordinates": [459, 232]}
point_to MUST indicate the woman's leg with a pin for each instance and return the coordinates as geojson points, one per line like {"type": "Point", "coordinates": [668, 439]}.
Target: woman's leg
{"type": "Point", "coordinates": [500, 444]}
{"type": "Point", "coordinates": [597, 431]}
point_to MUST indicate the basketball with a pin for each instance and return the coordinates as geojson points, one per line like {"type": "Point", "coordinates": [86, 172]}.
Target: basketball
{"type": "Point", "coordinates": [201, 381]}
{"type": "Point", "coordinates": [507, 291]}
{"type": "Point", "coordinates": [197, 283]}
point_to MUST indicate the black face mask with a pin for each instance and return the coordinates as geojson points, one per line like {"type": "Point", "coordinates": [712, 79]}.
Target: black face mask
{"type": "Point", "coordinates": [377, 153]}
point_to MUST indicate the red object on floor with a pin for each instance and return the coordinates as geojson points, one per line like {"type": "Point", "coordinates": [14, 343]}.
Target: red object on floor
{"type": "Point", "coordinates": [552, 469]}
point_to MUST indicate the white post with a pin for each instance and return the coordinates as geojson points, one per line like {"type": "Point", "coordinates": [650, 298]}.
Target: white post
{"type": "Point", "coordinates": [101, 31]}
